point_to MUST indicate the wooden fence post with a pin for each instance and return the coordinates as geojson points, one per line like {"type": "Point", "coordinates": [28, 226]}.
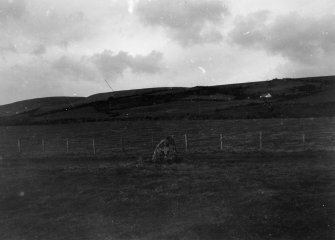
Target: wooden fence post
{"type": "Point", "coordinates": [221, 142]}
{"type": "Point", "coordinates": [303, 140]}
{"type": "Point", "coordinates": [43, 145]}
{"type": "Point", "coordinates": [19, 145]}
{"type": "Point", "coordinates": [186, 143]}
{"type": "Point", "coordinates": [260, 140]}
{"type": "Point", "coordinates": [67, 145]}
{"type": "Point", "coordinates": [93, 145]}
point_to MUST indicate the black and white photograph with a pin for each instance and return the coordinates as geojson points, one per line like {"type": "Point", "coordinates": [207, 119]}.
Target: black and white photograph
{"type": "Point", "coordinates": [167, 120]}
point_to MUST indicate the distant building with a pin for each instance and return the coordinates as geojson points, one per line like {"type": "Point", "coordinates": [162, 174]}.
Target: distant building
{"type": "Point", "coordinates": [266, 95]}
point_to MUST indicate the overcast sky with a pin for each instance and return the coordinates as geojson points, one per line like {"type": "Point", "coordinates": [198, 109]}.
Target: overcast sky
{"type": "Point", "coordinates": [72, 47]}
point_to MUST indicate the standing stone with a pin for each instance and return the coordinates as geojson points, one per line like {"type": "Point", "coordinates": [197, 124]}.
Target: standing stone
{"type": "Point", "coordinates": [166, 151]}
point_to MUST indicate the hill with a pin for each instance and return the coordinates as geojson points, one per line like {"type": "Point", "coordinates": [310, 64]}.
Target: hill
{"type": "Point", "coordinates": [32, 104]}
{"type": "Point", "coordinates": [278, 98]}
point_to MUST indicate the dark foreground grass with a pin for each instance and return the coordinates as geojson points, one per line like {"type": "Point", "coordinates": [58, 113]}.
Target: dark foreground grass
{"type": "Point", "coordinates": [218, 196]}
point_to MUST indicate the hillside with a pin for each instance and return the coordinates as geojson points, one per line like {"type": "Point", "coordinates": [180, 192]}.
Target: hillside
{"type": "Point", "coordinates": [33, 104]}
{"type": "Point", "coordinates": [278, 98]}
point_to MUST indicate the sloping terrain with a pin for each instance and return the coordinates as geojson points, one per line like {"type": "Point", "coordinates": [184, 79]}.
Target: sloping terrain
{"type": "Point", "coordinates": [25, 106]}
{"type": "Point", "coordinates": [279, 98]}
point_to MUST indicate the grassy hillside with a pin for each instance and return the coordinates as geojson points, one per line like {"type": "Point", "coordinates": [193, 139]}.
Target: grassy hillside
{"type": "Point", "coordinates": [279, 98]}
{"type": "Point", "coordinates": [26, 106]}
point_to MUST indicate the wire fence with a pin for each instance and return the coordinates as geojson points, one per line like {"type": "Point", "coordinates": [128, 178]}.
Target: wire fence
{"type": "Point", "coordinates": [144, 143]}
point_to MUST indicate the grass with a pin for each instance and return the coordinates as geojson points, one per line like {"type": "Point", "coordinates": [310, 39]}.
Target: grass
{"type": "Point", "coordinates": [208, 196]}
{"type": "Point", "coordinates": [137, 136]}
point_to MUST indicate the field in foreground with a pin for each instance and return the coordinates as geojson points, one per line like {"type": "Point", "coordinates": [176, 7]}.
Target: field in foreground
{"type": "Point", "coordinates": [217, 196]}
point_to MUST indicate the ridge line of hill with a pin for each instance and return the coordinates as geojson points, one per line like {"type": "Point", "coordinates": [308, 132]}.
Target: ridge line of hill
{"type": "Point", "coordinates": [277, 98]}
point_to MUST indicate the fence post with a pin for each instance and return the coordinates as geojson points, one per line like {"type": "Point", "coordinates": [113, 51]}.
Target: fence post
{"type": "Point", "coordinates": [67, 145]}
{"type": "Point", "coordinates": [19, 145]}
{"type": "Point", "coordinates": [221, 142]}
{"type": "Point", "coordinates": [93, 145]}
{"type": "Point", "coordinates": [186, 143]}
{"type": "Point", "coordinates": [303, 140]}
{"type": "Point", "coordinates": [260, 140]}
{"type": "Point", "coordinates": [43, 145]}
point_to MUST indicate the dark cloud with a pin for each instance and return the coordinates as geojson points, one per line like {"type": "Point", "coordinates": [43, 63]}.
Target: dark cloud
{"type": "Point", "coordinates": [7, 47]}
{"type": "Point", "coordinates": [93, 68]}
{"type": "Point", "coordinates": [69, 74]}
{"type": "Point", "coordinates": [11, 9]}
{"type": "Point", "coordinates": [188, 22]}
{"type": "Point", "coordinates": [301, 39]}
{"type": "Point", "coordinates": [113, 65]}
{"type": "Point", "coordinates": [39, 23]}
{"type": "Point", "coordinates": [39, 50]}
{"type": "Point", "coordinates": [75, 69]}
{"type": "Point", "coordinates": [105, 65]}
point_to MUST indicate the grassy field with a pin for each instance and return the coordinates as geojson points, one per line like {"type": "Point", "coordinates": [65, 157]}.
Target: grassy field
{"type": "Point", "coordinates": [139, 137]}
{"type": "Point", "coordinates": [208, 196]}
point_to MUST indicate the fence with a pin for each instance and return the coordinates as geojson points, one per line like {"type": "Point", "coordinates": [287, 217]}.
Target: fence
{"type": "Point", "coordinates": [187, 142]}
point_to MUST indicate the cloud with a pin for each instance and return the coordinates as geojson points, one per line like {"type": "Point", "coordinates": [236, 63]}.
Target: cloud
{"type": "Point", "coordinates": [7, 47]}
{"type": "Point", "coordinates": [113, 65]}
{"type": "Point", "coordinates": [306, 40]}
{"type": "Point", "coordinates": [188, 22]}
{"type": "Point", "coordinates": [44, 79]}
{"type": "Point", "coordinates": [74, 69]}
{"type": "Point", "coordinates": [94, 68]}
{"type": "Point", "coordinates": [28, 25]}
{"type": "Point", "coordinates": [69, 74]}
{"type": "Point", "coordinates": [39, 50]}
{"type": "Point", "coordinates": [50, 47]}
{"type": "Point", "coordinates": [11, 9]}
{"type": "Point", "coordinates": [56, 28]}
